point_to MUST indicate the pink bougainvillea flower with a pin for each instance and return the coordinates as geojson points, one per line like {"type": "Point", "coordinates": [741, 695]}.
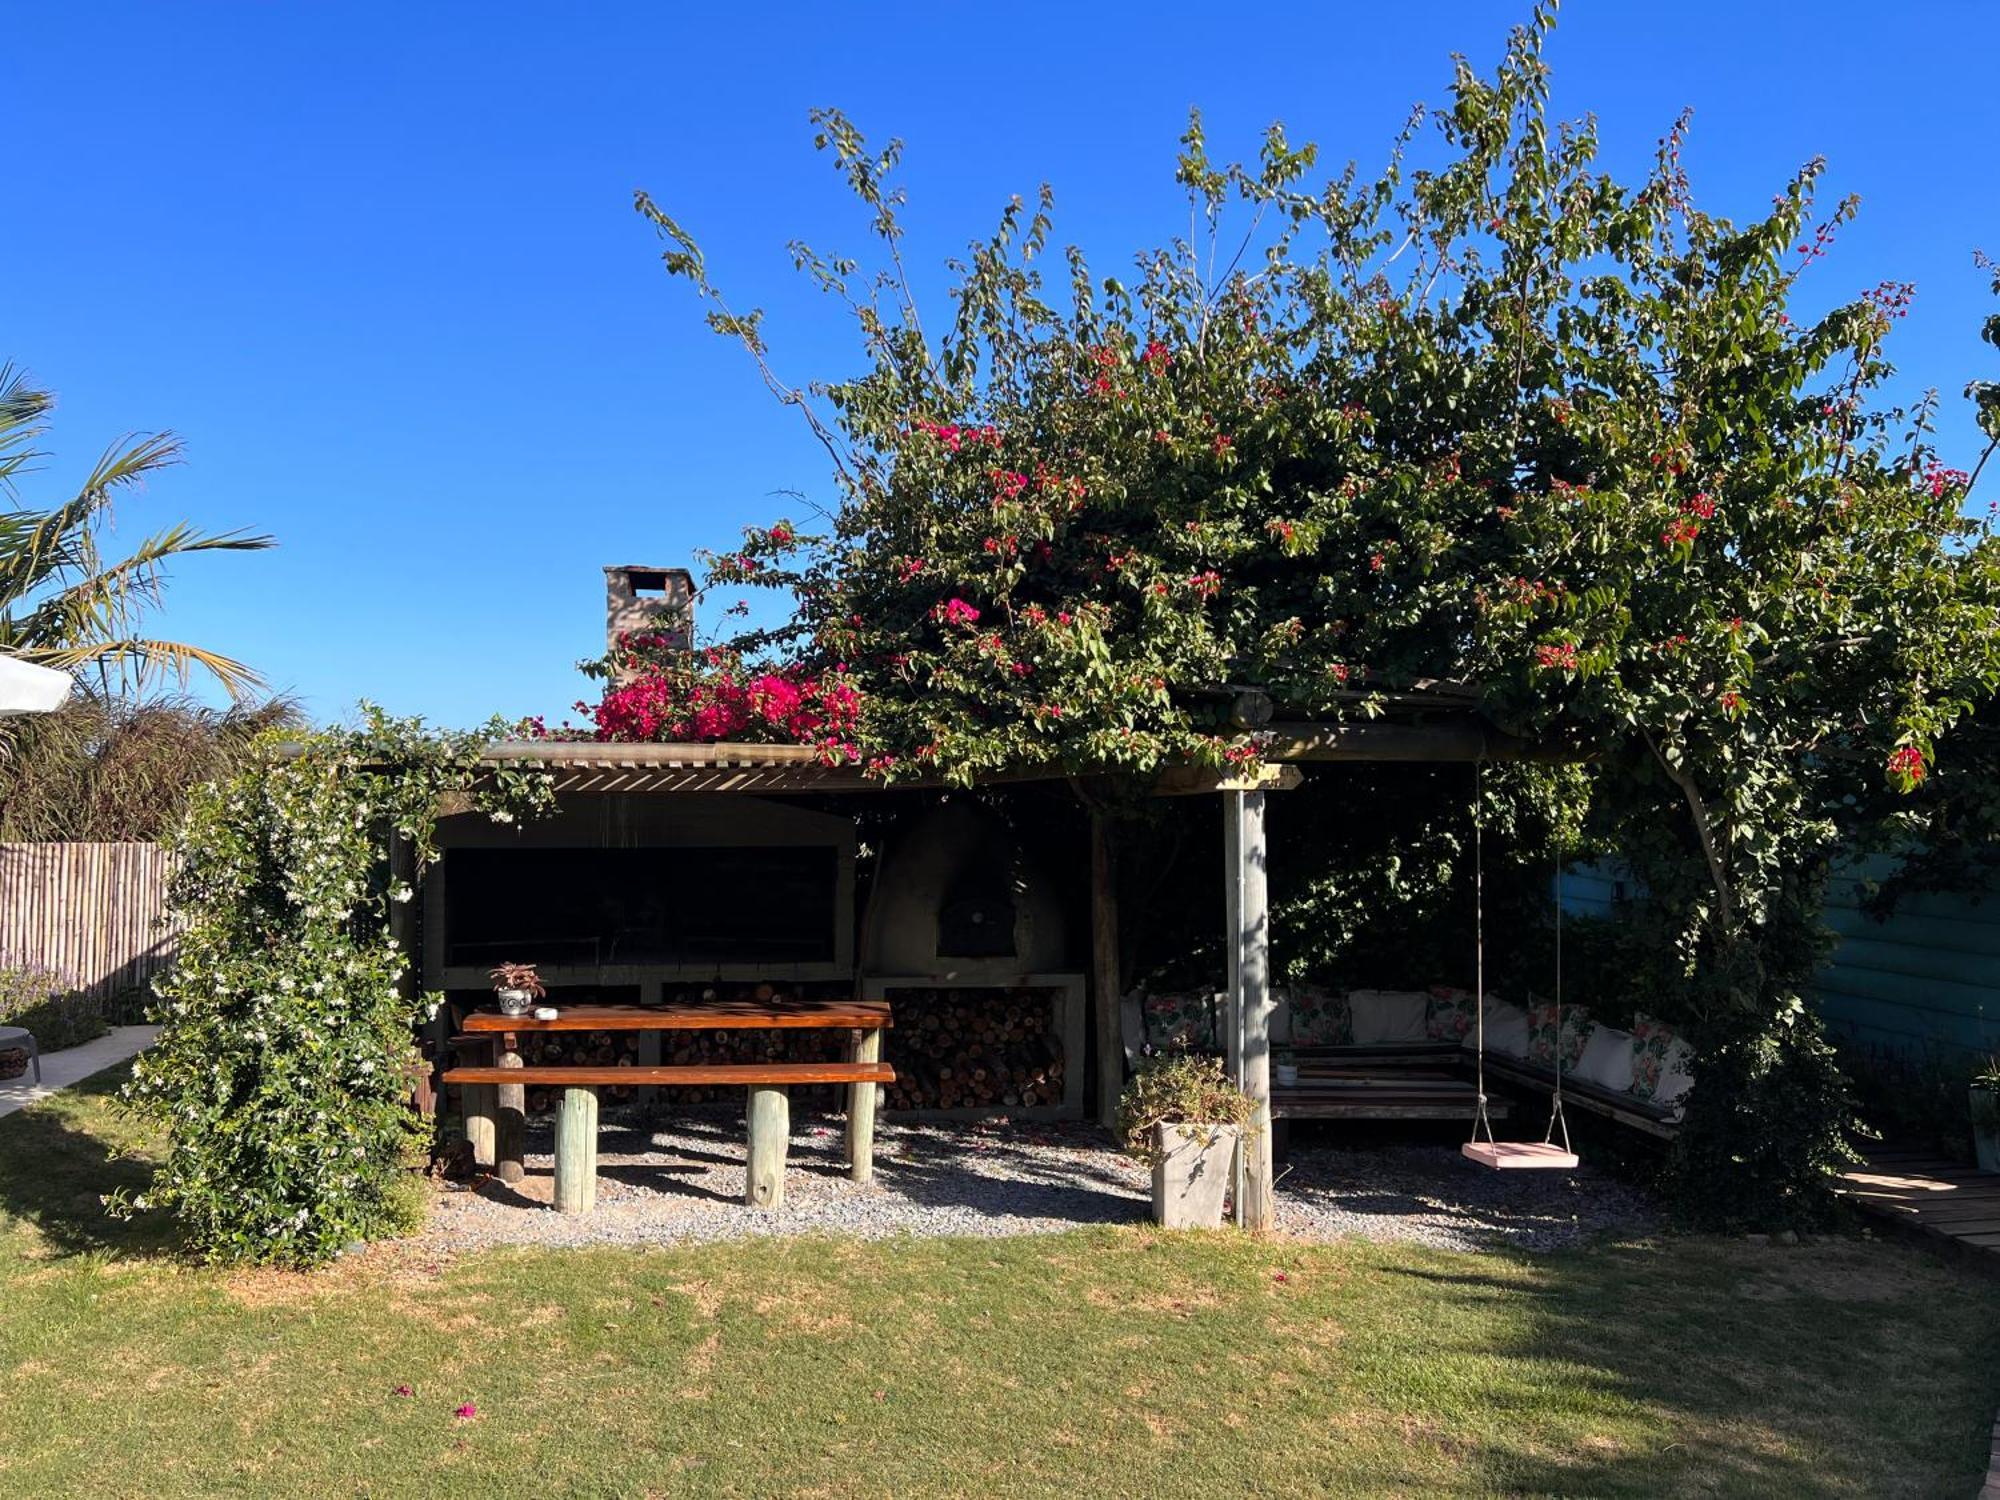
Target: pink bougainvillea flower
{"type": "Point", "coordinates": [402, 1390]}
{"type": "Point", "coordinates": [466, 1412]}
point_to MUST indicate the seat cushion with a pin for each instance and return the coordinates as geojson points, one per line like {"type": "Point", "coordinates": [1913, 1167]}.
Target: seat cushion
{"type": "Point", "coordinates": [1452, 1014]}
{"type": "Point", "coordinates": [1606, 1059]}
{"type": "Point", "coordinates": [1653, 1041]}
{"type": "Point", "coordinates": [1544, 1047]}
{"type": "Point", "coordinates": [1320, 1018]}
{"type": "Point", "coordinates": [1506, 1028]}
{"type": "Point", "coordinates": [1382, 1016]}
{"type": "Point", "coordinates": [1183, 1021]}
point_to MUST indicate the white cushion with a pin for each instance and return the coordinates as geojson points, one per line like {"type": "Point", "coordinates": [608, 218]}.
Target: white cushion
{"type": "Point", "coordinates": [1676, 1078]}
{"type": "Point", "coordinates": [1607, 1059]}
{"type": "Point", "coordinates": [1383, 1016]}
{"type": "Point", "coordinates": [1506, 1028]}
{"type": "Point", "coordinates": [1281, 1018]}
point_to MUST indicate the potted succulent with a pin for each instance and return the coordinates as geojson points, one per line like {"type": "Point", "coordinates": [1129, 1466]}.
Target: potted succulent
{"type": "Point", "coordinates": [1182, 1115]}
{"type": "Point", "coordinates": [517, 987]}
{"type": "Point", "coordinates": [1986, 1115]}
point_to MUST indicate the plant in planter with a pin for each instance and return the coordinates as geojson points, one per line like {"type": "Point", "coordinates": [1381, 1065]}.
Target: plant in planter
{"type": "Point", "coordinates": [1181, 1114]}
{"type": "Point", "coordinates": [517, 987]}
{"type": "Point", "coordinates": [1986, 1115]}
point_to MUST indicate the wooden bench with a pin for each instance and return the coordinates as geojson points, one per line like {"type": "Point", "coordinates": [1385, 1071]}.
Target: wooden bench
{"type": "Point", "coordinates": [1643, 1115]}
{"type": "Point", "coordinates": [769, 1114]}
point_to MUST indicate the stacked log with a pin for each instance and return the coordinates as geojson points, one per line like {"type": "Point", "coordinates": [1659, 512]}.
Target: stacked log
{"type": "Point", "coordinates": [975, 1049]}
{"type": "Point", "coordinates": [593, 1049]}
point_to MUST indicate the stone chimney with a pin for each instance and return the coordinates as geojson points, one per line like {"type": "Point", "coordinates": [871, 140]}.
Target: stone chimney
{"type": "Point", "coordinates": [641, 600]}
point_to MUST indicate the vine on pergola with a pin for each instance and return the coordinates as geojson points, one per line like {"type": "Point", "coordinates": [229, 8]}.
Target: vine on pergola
{"type": "Point", "coordinates": [1490, 419]}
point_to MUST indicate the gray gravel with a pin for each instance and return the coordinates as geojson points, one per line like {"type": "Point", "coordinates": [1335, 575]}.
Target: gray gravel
{"type": "Point", "coordinates": [683, 1181]}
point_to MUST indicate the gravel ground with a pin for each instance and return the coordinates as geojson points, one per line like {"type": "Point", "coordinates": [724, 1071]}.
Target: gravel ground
{"type": "Point", "coordinates": [684, 1181]}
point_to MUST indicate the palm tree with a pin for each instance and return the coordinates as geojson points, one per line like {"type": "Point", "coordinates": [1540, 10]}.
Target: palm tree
{"type": "Point", "coordinates": [61, 603]}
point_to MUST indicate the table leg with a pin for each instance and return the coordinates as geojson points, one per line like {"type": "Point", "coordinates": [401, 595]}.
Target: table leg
{"type": "Point", "coordinates": [770, 1119]}
{"type": "Point", "coordinates": [510, 1116]}
{"type": "Point", "coordinates": [865, 1048]}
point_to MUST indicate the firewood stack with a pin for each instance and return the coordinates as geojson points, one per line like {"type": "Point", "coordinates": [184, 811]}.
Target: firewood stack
{"type": "Point", "coordinates": [974, 1049]}
{"type": "Point", "coordinates": [595, 1049]}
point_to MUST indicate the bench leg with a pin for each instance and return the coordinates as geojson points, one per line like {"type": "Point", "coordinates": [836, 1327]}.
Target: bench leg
{"type": "Point", "coordinates": [866, 1048]}
{"type": "Point", "coordinates": [480, 1106]}
{"type": "Point", "coordinates": [770, 1116]}
{"type": "Point", "coordinates": [510, 1121]}
{"type": "Point", "coordinates": [576, 1152]}
{"type": "Point", "coordinates": [1281, 1140]}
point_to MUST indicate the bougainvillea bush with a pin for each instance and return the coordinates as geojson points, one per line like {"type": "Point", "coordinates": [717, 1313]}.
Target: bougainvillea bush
{"type": "Point", "coordinates": [283, 1071]}
{"type": "Point", "coordinates": [1488, 417]}
{"type": "Point", "coordinates": [659, 691]}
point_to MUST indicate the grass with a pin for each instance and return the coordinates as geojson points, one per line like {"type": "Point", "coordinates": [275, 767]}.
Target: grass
{"type": "Point", "coordinates": [1102, 1362]}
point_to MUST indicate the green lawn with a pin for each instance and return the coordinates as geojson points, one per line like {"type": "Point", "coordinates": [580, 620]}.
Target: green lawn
{"type": "Point", "coordinates": [1114, 1362]}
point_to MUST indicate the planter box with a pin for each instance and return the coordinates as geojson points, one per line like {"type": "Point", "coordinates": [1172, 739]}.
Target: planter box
{"type": "Point", "coordinates": [1192, 1178]}
{"type": "Point", "coordinates": [1986, 1129]}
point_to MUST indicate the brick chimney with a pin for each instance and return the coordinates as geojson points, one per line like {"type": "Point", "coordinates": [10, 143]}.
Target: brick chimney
{"type": "Point", "coordinates": [641, 600]}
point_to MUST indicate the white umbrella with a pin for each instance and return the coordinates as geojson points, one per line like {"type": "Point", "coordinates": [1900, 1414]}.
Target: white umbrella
{"type": "Point", "coordinates": [29, 689]}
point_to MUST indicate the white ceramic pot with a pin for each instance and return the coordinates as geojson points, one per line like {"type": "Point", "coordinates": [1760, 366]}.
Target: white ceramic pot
{"type": "Point", "coordinates": [1191, 1178]}
{"type": "Point", "coordinates": [1286, 1075]}
{"type": "Point", "coordinates": [514, 1002]}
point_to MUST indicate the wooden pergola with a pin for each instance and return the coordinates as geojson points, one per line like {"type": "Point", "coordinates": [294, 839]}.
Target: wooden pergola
{"type": "Point", "coordinates": [1436, 724]}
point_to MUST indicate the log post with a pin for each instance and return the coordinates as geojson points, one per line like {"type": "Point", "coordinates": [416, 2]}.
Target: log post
{"type": "Point", "coordinates": [866, 1048]}
{"type": "Point", "coordinates": [1248, 932]}
{"type": "Point", "coordinates": [480, 1105]}
{"type": "Point", "coordinates": [1104, 969]}
{"type": "Point", "coordinates": [576, 1151]}
{"type": "Point", "coordinates": [770, 1121]}
{"type": "Point", "coordinates": [510, 1116]}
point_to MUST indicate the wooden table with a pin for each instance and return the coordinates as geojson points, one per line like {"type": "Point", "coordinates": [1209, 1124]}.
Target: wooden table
{"type": "Point", "coordinates": [507, 1109]}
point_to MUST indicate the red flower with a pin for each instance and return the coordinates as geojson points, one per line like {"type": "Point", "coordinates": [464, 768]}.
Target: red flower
{"type": "Point", "coordinates": [1907, 763]}
{"type": "Point", "coordinates": [1559, 657]}
{"type": "Point", "coordinates": [956, 612]}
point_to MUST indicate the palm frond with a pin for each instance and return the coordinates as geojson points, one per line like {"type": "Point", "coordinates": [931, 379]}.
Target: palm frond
{"type": "Point", "coordinates": [131, 662]}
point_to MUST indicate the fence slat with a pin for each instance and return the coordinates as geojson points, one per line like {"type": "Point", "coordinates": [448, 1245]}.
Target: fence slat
{"type": "Point", "coordinates": [94, 913]}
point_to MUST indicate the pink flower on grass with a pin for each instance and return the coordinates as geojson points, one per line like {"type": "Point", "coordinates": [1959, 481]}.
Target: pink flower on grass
{"type": "Point", "coordinates": [402, 1390]}
{"type": "Point", "coordinates": [466, 1412]}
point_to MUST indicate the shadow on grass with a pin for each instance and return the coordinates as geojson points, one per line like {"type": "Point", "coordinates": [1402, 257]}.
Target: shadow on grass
{"type": "Point", "coordinates": [1836, 1368]}
{"type": "Point", "coordinates": [58, 1161]}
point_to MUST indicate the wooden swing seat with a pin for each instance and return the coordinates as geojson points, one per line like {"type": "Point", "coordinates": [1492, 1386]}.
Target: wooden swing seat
{"type": "Point", "coordinates": [1514, 1156]}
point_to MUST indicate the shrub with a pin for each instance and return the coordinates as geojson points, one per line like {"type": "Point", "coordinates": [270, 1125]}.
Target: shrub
{"type": "Point", "coordinates": [282, 1073]}
{"type": "Point", "coordinates": [45, 1003]}
{"type": "Point", "coordinates": [1178, 1088]}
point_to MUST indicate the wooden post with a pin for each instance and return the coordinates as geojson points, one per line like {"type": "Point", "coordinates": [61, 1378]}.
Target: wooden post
{"type": "Point", "coordinates": [1249, 939]}
{"type": "Point", "coordinates": [479, 1104]}
{"type": "Point", "coordinates": [770, 1118]}
{"type": "Point", "coordinates": [1104, 968]}
{"type": "Point", "coordinates": [866, 1048]}
{"type": "Point", "coordinates": [510, 1116]}
{"type": "Point", "coordinates": [576, 1151]}
{"type": "Point", "coordinates": [648, 1094]}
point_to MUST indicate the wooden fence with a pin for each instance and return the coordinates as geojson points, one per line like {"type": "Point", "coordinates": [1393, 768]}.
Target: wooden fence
{"type": "Point", "coordinates": [94, 913]}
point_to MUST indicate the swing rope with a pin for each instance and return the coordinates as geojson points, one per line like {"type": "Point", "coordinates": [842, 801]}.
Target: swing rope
{"type": "Point", "coordinates": [1557, 1121]}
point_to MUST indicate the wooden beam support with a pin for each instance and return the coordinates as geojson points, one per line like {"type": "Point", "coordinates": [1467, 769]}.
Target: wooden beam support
{"type": "Point", "coordinates": [1104, 976]}
{"type": "Point", "coordinates": [866, 1048]}
{"type": "Point", "coordinates": [1248, 934]}
{"type": "Point", "coordinates": [576, 1152]}
{"type": "Point", "coordinates": [770, 1121]}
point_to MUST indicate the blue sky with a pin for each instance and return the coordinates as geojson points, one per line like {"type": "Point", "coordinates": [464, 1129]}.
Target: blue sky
{"type": "Point", "coordinates": [377, 264]}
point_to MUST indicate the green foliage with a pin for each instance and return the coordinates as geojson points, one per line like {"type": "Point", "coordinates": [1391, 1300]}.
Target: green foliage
{"type": "Point", "coordinates": [282, 1075]}
{"type": "Point", "coordinates": [46, 1004]}
{"type": "Point", "coordinates": [1491, 420]}
{"type": "Point", "coordinates": [1177, 1088]}
{"type": "Point", "coordinates": [110, 769]}
{"type": "Point", "coordinates": [62, 602]}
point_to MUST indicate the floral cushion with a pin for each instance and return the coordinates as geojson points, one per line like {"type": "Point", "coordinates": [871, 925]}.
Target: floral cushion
{"type": "Point", "coordinates": [1543, 1045]}
{"type": "Point", "coordinates": [1453, 1014]}
{"type": "Point", "coordinates": [1659, 1061]}
{"type": "Point", "coordinates": [1189, 1022]}
{"type": "Point", "coordinates": [1320, 1018]}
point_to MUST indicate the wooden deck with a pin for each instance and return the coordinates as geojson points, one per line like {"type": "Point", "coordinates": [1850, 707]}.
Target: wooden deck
{"type": "Point", "coordinates": [1955, 1207]}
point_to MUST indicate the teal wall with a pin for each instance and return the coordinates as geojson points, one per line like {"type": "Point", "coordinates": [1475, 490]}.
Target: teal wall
{"type": "Point", "coordinates": [1925, 982]}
